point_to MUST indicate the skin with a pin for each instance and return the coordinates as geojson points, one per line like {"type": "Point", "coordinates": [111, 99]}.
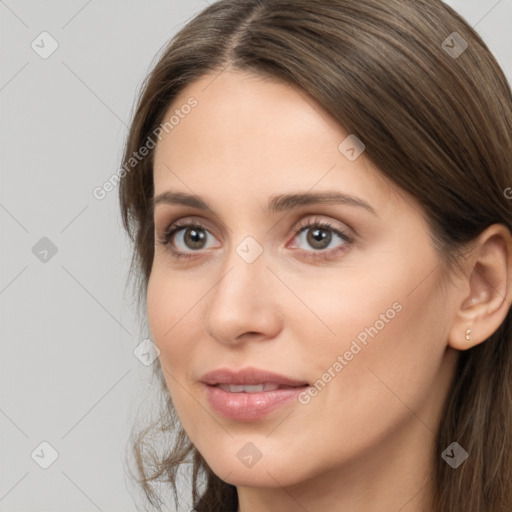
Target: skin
{"type": "Point", "coordinates": [365, 441]}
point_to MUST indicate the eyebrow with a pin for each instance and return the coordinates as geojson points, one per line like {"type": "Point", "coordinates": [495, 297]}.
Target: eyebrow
{"type": "Point", "coordinates": [278, 203]}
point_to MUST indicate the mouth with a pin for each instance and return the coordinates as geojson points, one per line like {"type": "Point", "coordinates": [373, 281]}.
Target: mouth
{"type": "Point", "coordinates": [248, 377]}
{"type": "Point", "coordinates": [251, 393]}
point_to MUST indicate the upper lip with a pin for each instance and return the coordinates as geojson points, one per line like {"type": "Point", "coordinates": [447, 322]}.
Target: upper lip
{"type": "Point", "coordinates": [248, 376]}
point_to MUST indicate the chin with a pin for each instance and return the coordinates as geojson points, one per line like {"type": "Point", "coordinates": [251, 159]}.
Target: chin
{"type": "Point", "coordinates": [258, 477]}
{"type": "Point", "coordinates": [268, 472]}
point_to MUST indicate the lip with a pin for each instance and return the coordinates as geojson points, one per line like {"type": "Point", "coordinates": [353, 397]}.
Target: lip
{"type": "Point", "coordinates": [248, 376]}
{"type": "Point", "coordinates": [249, 406]}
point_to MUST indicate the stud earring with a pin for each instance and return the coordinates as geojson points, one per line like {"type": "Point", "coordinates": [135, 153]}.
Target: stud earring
{"type": "Point", "coordinates": [468, 332]}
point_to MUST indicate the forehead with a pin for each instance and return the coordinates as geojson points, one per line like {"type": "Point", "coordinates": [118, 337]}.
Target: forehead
{"type": "Point", "coordinates": [248, 135]}
{"type": "Point", "coordinates": [237, 111]}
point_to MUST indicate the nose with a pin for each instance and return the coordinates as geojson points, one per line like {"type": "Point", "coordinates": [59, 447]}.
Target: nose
{"type": "Point", "coordinates": [243, 304]}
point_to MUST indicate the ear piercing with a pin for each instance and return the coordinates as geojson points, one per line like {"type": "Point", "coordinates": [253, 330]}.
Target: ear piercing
{"type": "Point", "coordinates": [468, 332]}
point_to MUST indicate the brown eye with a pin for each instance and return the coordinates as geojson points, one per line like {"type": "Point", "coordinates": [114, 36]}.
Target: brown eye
{"type": "Point", "coordinates": [194, 238]}
{"type": "Point", "coordinates": [318, 235]}
{"type": "Point", "coordinates": [319, 238]}
{"type": "Point", "coordinates": [185, 238]}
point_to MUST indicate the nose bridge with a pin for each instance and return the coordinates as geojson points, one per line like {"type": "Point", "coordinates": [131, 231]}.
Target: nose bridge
{"type": "Point", "coordinates": [243, 272]}
{"type": "Point", "coordinates": [241, 300]}
{"type": "Point", "coordinates": [244, 265]}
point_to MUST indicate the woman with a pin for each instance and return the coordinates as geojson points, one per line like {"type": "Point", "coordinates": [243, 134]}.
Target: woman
{"type": "Point", "coordinates": [316, 191]}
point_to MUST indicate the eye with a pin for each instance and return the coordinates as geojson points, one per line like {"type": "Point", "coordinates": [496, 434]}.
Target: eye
{"type": "Point", "coordinates": [318, 234]}
{"type": "Point", "coordinates": [185, 235]}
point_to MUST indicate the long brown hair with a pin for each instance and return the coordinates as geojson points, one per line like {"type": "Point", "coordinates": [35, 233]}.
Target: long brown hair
{"type": "Point", "coordinates": [435, 117]}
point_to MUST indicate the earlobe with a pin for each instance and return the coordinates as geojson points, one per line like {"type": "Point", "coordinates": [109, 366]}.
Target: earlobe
{"type": "Point", "coordinates": [488, 289]}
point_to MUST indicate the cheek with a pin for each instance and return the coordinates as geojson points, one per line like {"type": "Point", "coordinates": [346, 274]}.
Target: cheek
{"type": "Point", "coordinates": [374, 325]}
{"type": "Point", "coordinates": [170, 306]}
{"type": "Point", "coordinates": [386, 356]}
{"type": "Point", "coordinates": [175, 309]}
{"type": "Point", "coordinates": [167, 317]}
{"type": "Point", "coordinates": [341, 312]}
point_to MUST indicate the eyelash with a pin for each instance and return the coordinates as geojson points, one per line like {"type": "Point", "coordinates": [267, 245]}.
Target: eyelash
{"type": "Point", "coordinates": [303, 226]}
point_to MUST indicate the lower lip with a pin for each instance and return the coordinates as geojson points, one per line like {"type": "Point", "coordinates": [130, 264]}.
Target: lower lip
{"type": "Point", "coordinates": [250, 406]}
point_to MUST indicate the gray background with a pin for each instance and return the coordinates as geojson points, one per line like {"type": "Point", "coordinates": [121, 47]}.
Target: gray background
{"type": "Point", "coordinates": [68, 374]}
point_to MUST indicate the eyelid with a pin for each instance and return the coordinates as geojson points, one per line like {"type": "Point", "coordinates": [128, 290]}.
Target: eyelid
{"type": "Point", "coordinates": [309, 220]}
{"type": "Point", "coordinates": [181, 224]}
{"type": "Point", "coordinates": [185, 222]}
{"type": "Point", "coordinates": [169, 216]}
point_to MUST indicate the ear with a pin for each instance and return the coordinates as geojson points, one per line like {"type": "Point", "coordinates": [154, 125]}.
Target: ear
{"type": "Point", "coordinates": [487, 295]}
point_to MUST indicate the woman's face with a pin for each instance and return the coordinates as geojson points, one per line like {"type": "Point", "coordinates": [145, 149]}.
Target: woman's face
{"type": "Point", "coordinates": [344, 297]}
